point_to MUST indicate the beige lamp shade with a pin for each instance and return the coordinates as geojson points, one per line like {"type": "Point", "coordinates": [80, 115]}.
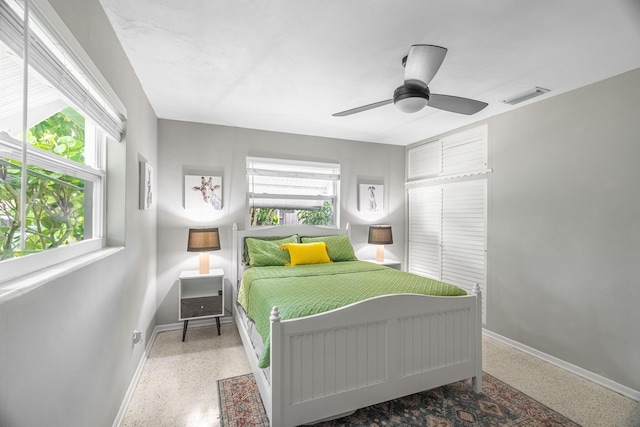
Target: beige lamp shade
{"type": "Point", "coordinates": [380, 235]}
{"type": "Point", "coordinates": [203, 240]}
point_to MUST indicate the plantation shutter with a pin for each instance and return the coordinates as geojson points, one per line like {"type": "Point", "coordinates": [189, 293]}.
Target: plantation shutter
{"type": "Point", "coordinates": [465, 152]}
{"type": "Point", "coordinates": [463, 233]}
{"type": "Point", "coordinates": [446, 194]}
{"type": "Point", "coordinates": [425, 225]}
{"type": "Point", "coordinates": [424, 160]}
{"type": "Point", "coordinates": [447, 232]}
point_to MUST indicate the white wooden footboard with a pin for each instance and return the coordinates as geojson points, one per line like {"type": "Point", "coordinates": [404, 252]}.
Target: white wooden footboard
{"type": "Point", "coordinates": [370, 352]}
{"type": "Point", "coordinates": [365, 353]}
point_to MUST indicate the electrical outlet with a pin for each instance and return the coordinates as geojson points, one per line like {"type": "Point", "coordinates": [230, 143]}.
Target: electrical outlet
{"type": "Point", "coordinates": [137, 336]}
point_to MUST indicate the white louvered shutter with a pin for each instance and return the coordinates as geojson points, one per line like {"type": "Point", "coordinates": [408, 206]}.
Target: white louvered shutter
{"type": "Point", "coordinates": [465, 152]}
{"type": "Point", "coordinates": [424, 231]}
{"type": "Point", "coordinates": [464, 235]}
{"type": "Point", "coordinates": [447, 210]}
{"type": "Point", "coordinates": [424, 160]}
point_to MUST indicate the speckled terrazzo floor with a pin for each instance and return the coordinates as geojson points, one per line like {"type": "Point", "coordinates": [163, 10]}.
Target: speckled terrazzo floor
{"type": "Point", "coordinates": [578, 399]}
{"type": "Point", "coordinates": [178, 384]}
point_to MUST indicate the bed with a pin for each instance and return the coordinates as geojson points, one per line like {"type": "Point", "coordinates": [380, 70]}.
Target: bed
{"type": "Point", "coordinates": [329, 356]}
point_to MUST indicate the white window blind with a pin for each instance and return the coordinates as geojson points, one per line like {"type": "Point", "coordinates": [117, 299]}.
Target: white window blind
{"type": "Point", "coordinates": [291, 185]}
{"type": "Point", "coordinates": [447, 210]}
{"type": "Point", "coordinates": [59, 75]}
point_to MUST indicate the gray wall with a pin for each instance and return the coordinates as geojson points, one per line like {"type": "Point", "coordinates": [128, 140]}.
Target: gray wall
{"type": "Point", "coordinates": [564, 227]}
{"type": "Point", "coordinates": [66, 353]}
{"type": "Point", "coordinates": [190, 147]}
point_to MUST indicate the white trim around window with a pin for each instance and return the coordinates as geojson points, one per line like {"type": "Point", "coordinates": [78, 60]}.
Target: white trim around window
{"type": "Point", "coordinates": [56, 55]}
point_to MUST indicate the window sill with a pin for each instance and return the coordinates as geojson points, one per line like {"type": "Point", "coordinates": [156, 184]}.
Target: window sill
{"type": "Point", "coordinates": [21, 285]}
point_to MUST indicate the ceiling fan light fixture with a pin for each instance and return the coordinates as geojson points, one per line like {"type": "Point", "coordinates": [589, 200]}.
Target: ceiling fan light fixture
{"type": "Point", "coordinates": [516, 99]}
{"type": "Point", "coordinates": [411, 104]}
{"type": "Point", "coordinates": [410, 100]}
{"type": "Point", "coordinates": [420, 66]}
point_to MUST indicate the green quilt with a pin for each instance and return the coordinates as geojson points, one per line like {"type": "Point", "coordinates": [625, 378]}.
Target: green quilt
{"type": "Point", "coordinates": [310, 289]}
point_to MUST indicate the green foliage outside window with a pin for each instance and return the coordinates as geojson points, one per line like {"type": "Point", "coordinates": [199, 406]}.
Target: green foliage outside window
{"type": "Point", "coordinates": [264, 216]}
{"type": "Point", "coordinates": [55, 202]}
{"type": "Point", "coordinates": [271, 216]}
{"type": "Point", "coordinates": [324, 216]}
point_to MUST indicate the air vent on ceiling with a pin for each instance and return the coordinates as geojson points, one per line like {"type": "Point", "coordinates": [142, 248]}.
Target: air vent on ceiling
{"type": "Point", "coordinates": [525, 96]}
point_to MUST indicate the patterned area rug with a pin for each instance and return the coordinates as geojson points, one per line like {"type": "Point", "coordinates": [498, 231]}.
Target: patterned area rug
{"type": "Point", "coordinates": [453, 405]}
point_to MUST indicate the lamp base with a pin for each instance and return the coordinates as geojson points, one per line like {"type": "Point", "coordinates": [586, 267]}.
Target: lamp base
{"type": "Point", "coordinates": [204, 262]}
{"type": "Point", "coordinates": [380, 253]}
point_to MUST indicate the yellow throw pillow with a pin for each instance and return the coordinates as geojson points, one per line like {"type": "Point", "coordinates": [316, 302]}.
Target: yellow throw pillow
{"type": "Point", "coordinates": [306, 253]}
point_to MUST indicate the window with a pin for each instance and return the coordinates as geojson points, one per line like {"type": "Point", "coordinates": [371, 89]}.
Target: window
{"type": "Point", "coordinates": [53, 133]}
{"type": "Point", "coordinates": [447, 194]}
{"type": "Point", "coordinates": [292, 192]}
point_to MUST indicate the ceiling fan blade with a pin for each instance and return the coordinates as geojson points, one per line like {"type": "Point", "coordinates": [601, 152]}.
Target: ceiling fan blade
{"type": "Point", "coordinates": [363, 108]}
{"type": "Point", "coordinates": [423, 62]}
{"type": "Point", "coordinates": [455, 104]}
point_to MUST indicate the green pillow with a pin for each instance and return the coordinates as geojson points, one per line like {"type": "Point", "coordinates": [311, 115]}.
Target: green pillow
{"type": "Point", "coordinates": [338, 247]}
{"type": "Point", "coordinates": [265, 251]}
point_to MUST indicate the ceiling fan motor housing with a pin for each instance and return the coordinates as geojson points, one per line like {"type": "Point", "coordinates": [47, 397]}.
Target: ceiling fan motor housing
{"type": "Point", "coordinates": [410, 99]}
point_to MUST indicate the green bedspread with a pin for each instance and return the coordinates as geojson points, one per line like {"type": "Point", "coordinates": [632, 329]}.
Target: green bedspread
{"type": "Point", "coordinates": [310, 289]}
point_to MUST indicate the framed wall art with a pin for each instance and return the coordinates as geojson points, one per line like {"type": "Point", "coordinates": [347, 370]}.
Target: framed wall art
{"type": "Point", "coordinates": [146, 185]}
{"type": "Point", "coordinates": [202, 192]}
{"type": "Point", "coordinates": [371, 197]}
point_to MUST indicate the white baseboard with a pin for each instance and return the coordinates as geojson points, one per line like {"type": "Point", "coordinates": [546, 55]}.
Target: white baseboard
{"type": "Point", "coordinates": [134, 381]}
{"type": "Point", "coordinates": [598, 379]}
{"type": "Point", "coordinates": [591, 376]}
{"type": "Point", "coordinates": [143, 360]}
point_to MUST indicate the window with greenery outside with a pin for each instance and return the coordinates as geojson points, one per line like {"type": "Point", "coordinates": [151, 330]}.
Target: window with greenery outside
{"type": "Point", "coordinates": [55, 208]}
{"type": "Point", "coordinates": [288, 191]}
{"type": "Point", "coordinates": [264, 216]}
{"type": "Point", "coordinates": [273, 216]}
{"type": "Point", "coordinates": [324, 216]}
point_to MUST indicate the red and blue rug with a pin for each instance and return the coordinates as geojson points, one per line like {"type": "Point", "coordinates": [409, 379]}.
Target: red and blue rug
{"type": "Point", "coordinates": [453, 405]}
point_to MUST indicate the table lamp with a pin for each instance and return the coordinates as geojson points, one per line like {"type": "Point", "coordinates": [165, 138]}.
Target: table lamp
{"type": "Point", "coordinates": [380, 235]}
{"type": "Point", "coordinates": [203, 240]}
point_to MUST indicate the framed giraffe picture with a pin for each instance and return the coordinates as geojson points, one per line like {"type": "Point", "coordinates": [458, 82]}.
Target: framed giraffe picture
{"type": "Point", "coordinates": [202, 192]}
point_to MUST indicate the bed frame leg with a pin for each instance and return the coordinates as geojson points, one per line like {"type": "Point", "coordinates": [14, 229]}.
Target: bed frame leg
{"type": "Point", "coordinates": [477, 384]}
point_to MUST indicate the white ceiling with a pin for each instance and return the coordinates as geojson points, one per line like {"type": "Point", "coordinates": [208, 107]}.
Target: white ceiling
{"type": "Point", "coordinates": [287, 65]}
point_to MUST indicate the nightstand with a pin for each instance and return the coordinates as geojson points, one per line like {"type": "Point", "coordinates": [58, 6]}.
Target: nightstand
{"type": "Point", "coordinates": [200, 296]}
{"type": "Point", "coordinates": [387, 262]}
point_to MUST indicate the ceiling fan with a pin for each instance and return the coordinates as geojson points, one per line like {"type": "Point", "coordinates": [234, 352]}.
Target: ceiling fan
{"type": "Point", "coordinates": [420, 66]}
